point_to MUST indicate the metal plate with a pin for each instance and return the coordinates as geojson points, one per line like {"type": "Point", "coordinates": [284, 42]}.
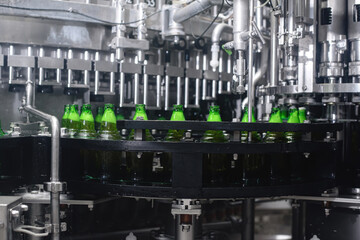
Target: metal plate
{"type": "Point", "coordinates": [210, 75]}
{"type": "Point", "coordinates": [172, 71]}
{"type": "Point", "coordinates": [193, 73]}
{"type": "Point", "coordinates": [21, 61]}
{"type": "Point", "coordinates": [79, 64]}
{"type": "Point", "coordinates": [105, 66]}
{"type": "Point", "coordinates": [154, 70]}
{"type": "Point", "coordinates": [51, 63]}
{"type": "Point", "coordinates": [130, 68]}
{"type": "Point", "coordinates": [226, 77]}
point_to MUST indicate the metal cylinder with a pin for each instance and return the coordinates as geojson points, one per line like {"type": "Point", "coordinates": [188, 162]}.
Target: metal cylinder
{"type": "Point", "coordinates": [274, 51]}
{"type": "Point", "coordinates": [353, 22]}
{"type": "Point", "coordinates": [332, 19]}
{"type": "Point", "coordinates": [185, 227]}
{"type": "Point", "coordinates": [241, 23]}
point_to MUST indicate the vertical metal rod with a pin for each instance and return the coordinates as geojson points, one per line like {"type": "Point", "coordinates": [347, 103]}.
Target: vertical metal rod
{"type": "Point", "coordinates": [11, 69]}
{"type": "Point", "coordinates": [146, 88]}
{"type": "Point", "coordinates": [186, 91]}
{"type": "Point", "coordinates": [197, 94]}
{"type": "Point", "coordinates": [197, 81]}
{"type": "Point", "coordinates": [221, 59]}
{"type": "Point", "coordinates": [121, 89]}
{"type": "Point", "coordinates": [205, 67]}
{"type": "Point", "coordinates": [112, 75]}
{"type": "Point", "coordinates": [250, 64]}
{"type": "Point", "coordinates": [70, 72]}
{"type": "Point", "coordinates": [97, 75]}
{"type": "Point", "coordinates": [29, 69]}
{"type": "Point", "coordinates": [86, 72]}
{"type": "Point", "coordinates": [158, 91]}
{"type": "Point", "coordinates": [41, 70]}
{"type": "Point", "coordinates": [248, 215]}
{"type": "Point", "coordinates": [58, 71]}
{"type": "Point", "coordinates": [136, 88]}
{"type": "Point", "coordinates": [136, 83]}
{"type": "Point", "coordinates": [273, 51]}
{"type": "Point", "coordinates": [213, 88]}
{"type": "Point", "coordinates": [167, 92]}
{"type": "Point", "coordinates": [229, 70]}
{"type": "Point", "coordinates": [178, 91]}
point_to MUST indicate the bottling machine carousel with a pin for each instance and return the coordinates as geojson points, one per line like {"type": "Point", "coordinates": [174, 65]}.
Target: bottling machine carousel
{"type": "Point", "coordinates": [238, 54]}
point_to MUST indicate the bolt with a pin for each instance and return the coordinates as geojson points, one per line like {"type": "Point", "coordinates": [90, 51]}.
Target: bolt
{"type": "Point", "coordinates": [24, 207]}
{"type": "Point", "coordinates": [15, 213]}
{"type": "Point", "coordinates": [304, 87]}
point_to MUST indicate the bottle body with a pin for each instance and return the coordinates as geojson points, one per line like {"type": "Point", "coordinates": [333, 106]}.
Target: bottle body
{"type": "Point", "coordinates": [162, 166]}
{"type": "Point", "coordinates": [110, 161]}
{"type": "Point", "coordinates": [215, 166]}
{"type": "Point", "coordinates": [74, 120]}
{"type": "Point", "coordinates": [87, 131]}
{"type": "Point", "coordinates": [253, 168]}
{"type": "Point", "coordinates": [278, 171]}
{"type": "Point", "coordinates": [99, 115]}
{"type": "Point", "coordinates": [297, 163]}
{"type": "Point", "coordinates": [139, 164]}
{"type": "Point", "coordinates": [65, 118]}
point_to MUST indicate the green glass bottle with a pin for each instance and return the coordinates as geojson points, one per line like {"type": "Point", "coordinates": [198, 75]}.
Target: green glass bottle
{"type": "Point", "coordinates": [100, 112]}
{"type": "Point", "coordinates": [65, 118]}
{"type": "Point", "coordinates": [295, 159]}
{"type": "Point", "coordinates": [302, 114]}
{"type": "Point", "coordinates": [284, 113]}
{"type": "Point", "coordinates": [162, 170]}
{"type": "Point", "coordinates": [2, 133]}
{"type": "Point", "coordinates": [278, 165]}
{"type": "Point", "coordinates": [253, 168]}
{"type": "Point", "coordinates": [87, 123]}
{"type": "Point", "coordinates": [87, 131]}
{"type": "Point", "coordinates": [111, 168]}
{"type": "Point", "coordinates": [74, 120]}
{"type": "Point", "coordinates": [215, 166]}
{"type": "Point", "coordinates": [139, 164]}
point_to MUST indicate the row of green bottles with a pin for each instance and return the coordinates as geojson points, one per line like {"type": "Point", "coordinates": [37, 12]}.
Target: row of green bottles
{"type": "Point", "coordinates": [284, 113]}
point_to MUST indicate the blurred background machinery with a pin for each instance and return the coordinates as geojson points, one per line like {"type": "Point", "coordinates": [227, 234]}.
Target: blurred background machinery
{"type": "Point", "coordinates": [257, 180]}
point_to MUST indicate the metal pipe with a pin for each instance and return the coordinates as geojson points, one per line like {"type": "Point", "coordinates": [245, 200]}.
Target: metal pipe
{"type": "Point", "coordinates": [146, 88]}
{"type": "Point", "coordinates": [55, 161]}
{"type": "Point", "coordinates": [86, 72]}
{"type": "Point", "coordinates": [41, 70]}
{"type": "Point", "coordinates": [11, 69]}
{"type": "Point", "coordinates": [121, 89]}
{"type": "Point", "coordinates": [241, 23]}
{"type": "Point", "coordinates": [167, 92]}
{"type": "Point", "coordinates": [70, 72]}
{"type": "Point", "coordinates": [215, 48]}
{"type": "Point", "coordinates": [158, 91]}
{"type": "Point", "coordinates": [250, 64]}
{"type": "Point", "coordinates": [273, 51]}
{"type": "Point", "coordinates": [58, 71]}
{"type": "Point", "coordinates": [112, 75]}
{"type": "Point", "coordinates": [248, 216]}
{"type": "Point", "coordinates": [193, 9]}
{"type": "Point", "coordinates": [97, 75]}
{"type": "Point", "coordinates": [186, 92]}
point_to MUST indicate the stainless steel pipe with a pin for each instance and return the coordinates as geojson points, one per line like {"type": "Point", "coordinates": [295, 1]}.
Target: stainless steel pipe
{"type": "Point", "coordinates": [55, 160]}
